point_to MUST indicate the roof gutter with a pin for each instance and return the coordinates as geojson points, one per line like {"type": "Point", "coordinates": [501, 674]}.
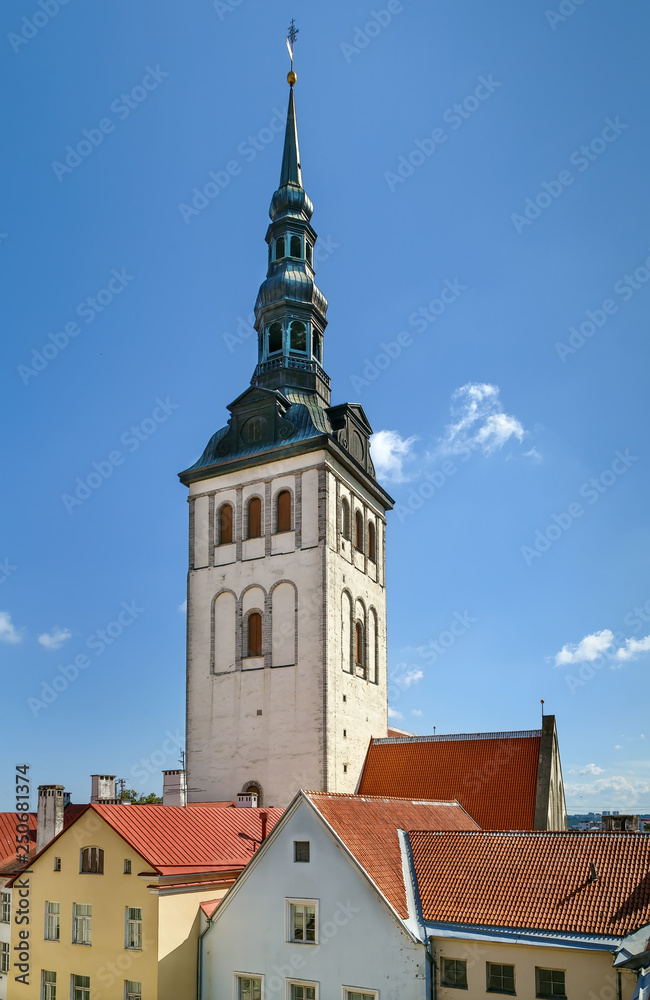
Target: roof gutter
{"type": "Point", "coordinates": [505, 935]}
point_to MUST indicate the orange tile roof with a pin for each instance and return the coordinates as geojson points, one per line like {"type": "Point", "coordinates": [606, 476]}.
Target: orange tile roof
{"type": "Point", "coordinates": [492, 775]}
{"type": "Point", "coordinates": [535, 881]}
{"type": "Point", "coordinates": [8, 823]}
{"type": "Point", "coordinates": [368, 828]}
{"type": "Point", "coordinates": [209, 906]}
{"type": "Point", "coordinates": [177, 839]}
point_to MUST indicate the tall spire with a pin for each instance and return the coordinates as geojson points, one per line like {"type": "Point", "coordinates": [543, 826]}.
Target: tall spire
{"type": "Point", "coordinates": [291, 172]}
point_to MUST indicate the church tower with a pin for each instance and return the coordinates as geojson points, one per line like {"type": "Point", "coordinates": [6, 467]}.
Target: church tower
{"type": "Point", "coordinates": [286, 607]}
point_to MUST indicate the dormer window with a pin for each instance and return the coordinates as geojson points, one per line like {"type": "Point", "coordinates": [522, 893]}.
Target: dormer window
{"type": "Point", "coordinates": [275, 338]}
{"type": "Point", "coordinates": [298, 336]}
{"type": "Point", "coordinates": [279, 248]}
{"type": "Point", "coordinates": [296, 249]}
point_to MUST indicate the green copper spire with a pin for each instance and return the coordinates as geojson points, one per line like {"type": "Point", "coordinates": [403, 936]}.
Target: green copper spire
{"type": "Point", "coordinates": [291, 172]}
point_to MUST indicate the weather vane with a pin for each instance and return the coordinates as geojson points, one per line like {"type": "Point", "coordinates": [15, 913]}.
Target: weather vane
{"type": "Point", "coordinates": [292, 34]}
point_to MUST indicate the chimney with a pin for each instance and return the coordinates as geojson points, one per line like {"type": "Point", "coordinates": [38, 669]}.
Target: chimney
{"type": "Point", "coordinates": [174, 788]}
{"type": "Point", "coordinates": [103, 788]}
{"type": "Point", "coordinates": [49, 816]}
{"type": "Point", "coordinates": [247, 801]}
{"type": "Point", "coordinates": [264, 817]}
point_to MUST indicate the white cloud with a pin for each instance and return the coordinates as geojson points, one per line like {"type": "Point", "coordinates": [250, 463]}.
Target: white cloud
{"type": "Point", "coordinates": [618, 746]}
{"type": "Point", "coordinates": [417, 711]}
{"type": "Point", "coordinates": [409, 677]}
{"type": "Point", "coordinates": [394, 714]}
{"type": "Point", "coordinates": [8, 632]}
{"type": "Point", "coordinates": [534, 454]}
{"type": "Point", "coordinates": [389, 453]}
{"type": "Point", "coordinates": [589, 648]}
{"type": "Point", "coordinates": [592, 769]}
{"type": "Point", "coordinates": [183, 607]}
{"type": "Point", "coordinates": [624, 791]}
{"type": "Point", "coordinates": [479, 421]}
{"type": "Point", "coordinates": [632, 647]}
{"type": "Point", "coordinates": [55, 638]}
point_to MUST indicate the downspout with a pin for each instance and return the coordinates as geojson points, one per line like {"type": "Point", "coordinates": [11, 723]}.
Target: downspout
{"type": "Point", "coordinates": [619, 985]}
{"type": "Point", "coordinates": [199, 970]}
{"type": "Point", "coordinates": [433, 970]}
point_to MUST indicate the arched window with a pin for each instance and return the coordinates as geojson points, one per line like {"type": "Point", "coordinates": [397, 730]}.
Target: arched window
{"type": "Point", "coordinates": [345, 518]}
{"type": "Point", "coordinates": [254, 637]}
{"type": "Point", "coordinates": [318, 347]}
{"type": "Point", "coordinates": [279, 247]}
{"type": "Point", "coordinates": [92, 861]}
{"type": "Point", "coordinates": [283, 518]}
{"type": "Point", "coordinates": [225, 524]}
{"type": "Point", "coordinates": [358, 643]}
{"type": "Point", "coordinates": [309, 250]}
{"type": "Point", "coordinates": [358, 533]}
{"type": "Point", "coordinates": [275, 337]}
{"type": "Point", "coordinates": [254, 518]}
{"type": "Point", "coordinates": [372, 542]}
{"type": "Point", "coordinates": [298, 336]}
{"type": "Point", "coordinates": [295, 247]}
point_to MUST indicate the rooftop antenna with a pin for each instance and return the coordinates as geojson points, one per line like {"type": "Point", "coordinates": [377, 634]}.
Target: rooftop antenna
{"type": "Point", "coordinates": [292, 34]}
{"type": "Point", "coordinates": [434, 730]}
{"type": "Point", "coordinates": [181, 759]}
{"type": "Point", "coordinates": [542, 704]}
{"type": "Point", "coordinates": [121, 783]}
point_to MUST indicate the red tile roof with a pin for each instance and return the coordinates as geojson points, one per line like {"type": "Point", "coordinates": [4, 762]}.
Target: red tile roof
{"type": "Point", "coordinates": [174, 839]}
{"type": "Point", "coordinates": [492, 775]}
{"type": "Point", "coordinates": [8, 823]}
{"type": "Point", "coordinates": [368, 828]}
{"type": "Point", "coordinates": [536, 881]}
{"type": "Point", "coordinates": [209, 906]}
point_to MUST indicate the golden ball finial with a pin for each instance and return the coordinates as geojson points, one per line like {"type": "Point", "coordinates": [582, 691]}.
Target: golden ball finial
{"type": "Point", "coordinates": [291, 78]}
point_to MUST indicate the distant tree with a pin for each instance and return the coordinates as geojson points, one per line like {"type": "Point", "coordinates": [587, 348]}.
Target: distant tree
{"type": "Point", "coordinates": [130, 795]}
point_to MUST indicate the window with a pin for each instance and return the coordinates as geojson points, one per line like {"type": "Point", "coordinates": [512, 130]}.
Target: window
{"type": "Point", "coordinates": [5, 908]}
{"type": "Point", "coordinates": [279, 248]}
{"type": "Point", "coordinates": [254, 518]}
{"type": "Point", "coordinates": [275, 338]}
{"type": "Point", "coordinates": [372, 542]}
{"type": "Point", "coordinates": [303, 991]}
{"type": "Point", "coordinates": [500, 978]}
{"type": "Point", "coordinates": [52, 921]}
{"type": "Point", "coordinates": [345, 518]}
{"type": "Point", "coordinates": [81, 921]}
{"type": "Point", "coordinates": [57, 864]}
{"type": "Point", "coordinates": [92, 861]}
{"type": "Point", "coordinates": [225, 524]}
{"type": "Point", "coordinates": [302, 922]}
{"type": "Point", "coordinates": [359, 995]}
{"type": "Point", "coordinates": [133, 928]}
{"type": "Point", "coordinates": [254, 628]}
{"type": "Point", "coordinates": [49, 986]}
{"type": "Point", "coordinates": [81, 988]}
{"type": "Point", "coordinates": [318, 347]}
{"type": "Point", "coordinates": [310, 252]}
{"type": "Point", "coordinates": [296, 249]}
{"type": "Point", "coordinates": [453, 972]}
{"type": "Point", "coordinates": [358, 643]}
{"type": "Point", "coordinates": [4, 956]}
{"type": "Point", "coordinates": [358, 532]}
{"type": "Point", "coordinates": [345, 769]}
{"type": "Point", "coordinates": [298, 336]}
{"type": "Point", "coordinates": [284, 511]}
{"type": "Point", "coordinates": [127, 866]}
{"type": "Point", "coordinates": [301, 850]}
{"type": "Point", "coordinates": [132, 990]}
{"type": "Point", "coordinates": [249, 988]}
{"type": "Point", "coordinates": [550, 983]}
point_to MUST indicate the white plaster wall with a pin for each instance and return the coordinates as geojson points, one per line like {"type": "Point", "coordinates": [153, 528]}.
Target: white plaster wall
{"type": "Point", "coordinates": [361, 944]}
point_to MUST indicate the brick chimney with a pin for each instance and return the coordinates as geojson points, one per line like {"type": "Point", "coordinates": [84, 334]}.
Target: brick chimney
{"type": "Point", "coordinates": [49, 816]}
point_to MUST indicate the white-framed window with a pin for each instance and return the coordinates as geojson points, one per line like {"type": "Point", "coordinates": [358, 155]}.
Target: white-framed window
{"type": "Point", "coordinates": [550, 982]}
{"type": "Point", "coordinates": [48, 985]}
{"type": "Point", "coordinates": [248, 987]}
{"type": "Point", "coordinates": [5, 910]}
{"type": "Point", "coordinates": [57, 864]}
{"type": "Point", "coordinates": [52, 921]}
{"type": "Point", "coordinates": [4, 956]}
{"type": "Point", "coordinates": [82, 914]}
{"type": "Point", "coordinates": [127, 866]}
{"type": "Point", "coordinates": [133, 938]}
{"type": "Point", "coordinates": [80, 987]}
{"type": "Point", "coordinates": [453, 972]}
{"type": "Point", "coordinates": [298, 989]}
{"type": "Point", "coordinates": [92, 861]}
{"type": "Point", "coordinates": [303, 922]}
{"type": "Point", "coordinates": [351, 993]}
{"type": "Point", "coordinates": [132, 990]}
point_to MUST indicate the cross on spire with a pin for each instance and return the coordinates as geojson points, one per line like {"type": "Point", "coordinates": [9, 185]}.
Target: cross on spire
{"type": "Point", "coordinates": [292, 34]}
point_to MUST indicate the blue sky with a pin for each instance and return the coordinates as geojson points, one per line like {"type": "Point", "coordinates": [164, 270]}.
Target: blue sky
{"type": "Point", "coordinates": [463, 233]}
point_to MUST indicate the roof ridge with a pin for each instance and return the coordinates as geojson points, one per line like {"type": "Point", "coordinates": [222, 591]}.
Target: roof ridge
{"type": "Point", "coordinates": [416, 801]}
{"type": "Point", "coordinates": [515, 734]}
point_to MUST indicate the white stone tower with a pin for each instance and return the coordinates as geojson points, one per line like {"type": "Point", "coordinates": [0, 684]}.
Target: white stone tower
{"type": "Point", "coordinates": [286, 606]}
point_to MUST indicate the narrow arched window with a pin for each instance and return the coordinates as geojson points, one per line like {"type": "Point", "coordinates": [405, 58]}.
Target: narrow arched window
{"type": "Point", "coordinates": [283, 518]}
{"type": "Point", "coordinates": [254, 643]}
{"type": "Point", "coordinates": [254, 518]}
{"type": "Point", "coordinates": [309, 250]}
{"type": "Point", "coordinates": [279, 247]}
{"type": "Point", "coordinates": [318, 347]}
{"type": "Point", "coordinates": [358, 643]}
{"type": "Point", "coordinates": [298, 336]}
{"type": "Point", "coordinates": [295, 247]}
{"type": "Point", "coordinates": [345, 518]}
{"type": "Point", "coordinates": [225, 524]}
{"type": "Point", "coordinates": [92, 861]}
{"type": "Point", "coordinates": [275, 337]}
{"type": "Point", "coordinates": [358, 533]}
{"type": "Point", "coordinates": [372, 542]}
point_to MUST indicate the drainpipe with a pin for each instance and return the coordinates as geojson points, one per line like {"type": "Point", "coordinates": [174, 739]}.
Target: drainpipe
{"type": "Point", "coordinates": [433, 969]}
{"type": "Point", "coordinates": [619, 985]}
{"type": "Point", "coordinates": [199, 964]}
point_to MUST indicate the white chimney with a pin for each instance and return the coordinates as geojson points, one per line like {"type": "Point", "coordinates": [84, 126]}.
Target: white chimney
{"type": "Point", "coordinates": [174, 788]}
{"type": "Point", "coordinates": [49, 816]}
{"type": "Point", "coordinates": [103, 788]}
{"type": "Point", "coordinates": [247, 801]}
